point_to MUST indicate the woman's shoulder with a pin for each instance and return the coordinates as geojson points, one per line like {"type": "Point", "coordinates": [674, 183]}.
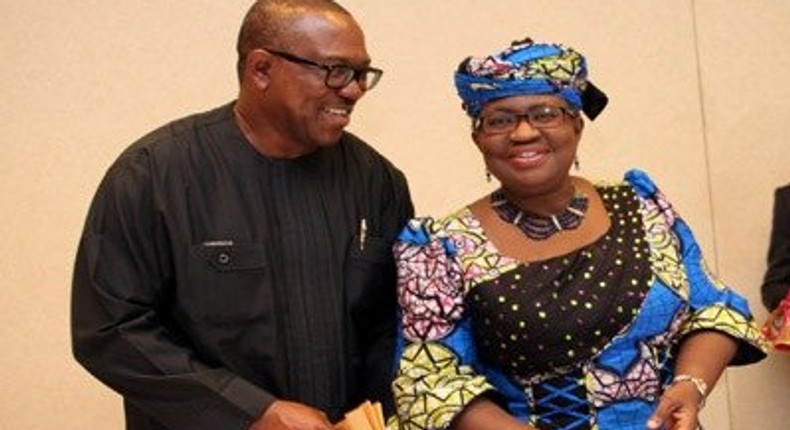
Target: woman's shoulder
{"type": "Point", "coordinates": [423, 229]}
{"type": "Point", "coordinates": [642, 183]}
{"type": "Point", "coordinates": [639, 180]}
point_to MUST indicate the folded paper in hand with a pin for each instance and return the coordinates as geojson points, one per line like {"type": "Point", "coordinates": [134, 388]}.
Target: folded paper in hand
{"type": "Point", "coordinates": [367, 416]}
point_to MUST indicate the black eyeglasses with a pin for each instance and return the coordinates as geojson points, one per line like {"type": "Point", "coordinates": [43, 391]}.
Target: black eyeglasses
{"type": "Point", "coordinates": [338, 76]}
{"type": "Point", "coordinates": [538, 116]}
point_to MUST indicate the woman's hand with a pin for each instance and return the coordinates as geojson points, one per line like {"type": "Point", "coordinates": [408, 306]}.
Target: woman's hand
{"type": "Point", "coordinates": [483, 414]}
{"type": "Point", "coordinates": [701, 360]}
{"type": "Point", "coordinates": [677, 409]}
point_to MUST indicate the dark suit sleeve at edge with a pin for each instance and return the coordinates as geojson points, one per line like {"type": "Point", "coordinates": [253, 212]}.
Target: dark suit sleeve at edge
{"type": "Point", "coordinates": [777, 276]}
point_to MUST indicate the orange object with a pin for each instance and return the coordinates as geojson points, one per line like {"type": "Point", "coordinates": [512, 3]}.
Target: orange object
{"type": "Point", "coordinates": [777, 327]}
{"type": "Point", "coordinates": [367, 416]}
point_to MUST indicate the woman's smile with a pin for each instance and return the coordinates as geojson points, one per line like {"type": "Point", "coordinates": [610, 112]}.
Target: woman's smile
{"type": "Point", "coordinates": [528, 157]}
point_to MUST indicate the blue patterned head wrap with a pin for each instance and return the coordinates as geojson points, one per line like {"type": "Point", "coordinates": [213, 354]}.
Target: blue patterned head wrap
{"type": "Point", "coordinates": [528, 68]}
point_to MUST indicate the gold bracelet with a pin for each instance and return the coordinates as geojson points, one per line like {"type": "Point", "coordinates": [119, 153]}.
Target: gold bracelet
{"type": "Point", "coordinates": [699, 384]}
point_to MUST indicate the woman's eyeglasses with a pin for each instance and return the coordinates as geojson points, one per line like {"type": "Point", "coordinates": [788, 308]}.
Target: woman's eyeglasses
{"type": "Point", "coordinates": [538, 116]}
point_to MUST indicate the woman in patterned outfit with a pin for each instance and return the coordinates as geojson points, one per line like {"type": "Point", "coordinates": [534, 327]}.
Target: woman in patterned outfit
{"type": "Point", "coordinates": [554, 302]}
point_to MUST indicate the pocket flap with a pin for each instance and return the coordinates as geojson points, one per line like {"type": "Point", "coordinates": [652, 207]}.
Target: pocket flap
{"type": "Point", "coordinates": [228, 256]}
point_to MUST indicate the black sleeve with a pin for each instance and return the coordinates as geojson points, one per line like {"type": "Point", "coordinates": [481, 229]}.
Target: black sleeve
{"type": "Point", "coordinates": [777, 277]}
{"type": "Point", "coordinates": [120, 331]}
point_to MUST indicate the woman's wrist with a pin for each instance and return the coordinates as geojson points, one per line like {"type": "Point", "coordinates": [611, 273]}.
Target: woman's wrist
{"type": "Point", "coordinates": [698, 383]}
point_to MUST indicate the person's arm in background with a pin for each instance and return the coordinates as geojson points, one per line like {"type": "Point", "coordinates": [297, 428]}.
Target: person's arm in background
{"type": "Point", "coordinates": [777, 277]}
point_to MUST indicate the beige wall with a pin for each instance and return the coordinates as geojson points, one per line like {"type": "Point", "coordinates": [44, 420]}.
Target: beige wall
{"type": "Point", "coordinates": [699, 97]}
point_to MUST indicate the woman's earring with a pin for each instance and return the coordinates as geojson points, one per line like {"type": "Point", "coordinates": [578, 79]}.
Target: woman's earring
{"type": "Point", "coordinates": [488, 176]}
{"type": "Point", "coordinates": [576, 163]}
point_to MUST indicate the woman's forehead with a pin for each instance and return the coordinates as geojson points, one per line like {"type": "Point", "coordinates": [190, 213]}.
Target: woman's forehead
{"type": "Point", "coordinates": [524, 101]}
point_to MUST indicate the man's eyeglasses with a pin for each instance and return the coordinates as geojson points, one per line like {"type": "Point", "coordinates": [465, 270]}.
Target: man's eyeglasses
{"type": "Point", "coordinates": [338, 76]}
{"type": "Point", "coordinates": [538, 116]}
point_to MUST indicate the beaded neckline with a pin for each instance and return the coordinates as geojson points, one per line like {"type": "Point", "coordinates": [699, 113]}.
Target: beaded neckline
{"type": "Point", "coordinates": [536, 226]}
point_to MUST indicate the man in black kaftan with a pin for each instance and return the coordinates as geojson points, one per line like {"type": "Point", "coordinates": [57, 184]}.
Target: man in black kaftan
{"type": "Point", "coordinates": [236, 273]}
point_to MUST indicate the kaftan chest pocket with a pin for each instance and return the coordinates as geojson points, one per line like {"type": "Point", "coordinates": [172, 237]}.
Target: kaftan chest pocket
{"type": "Point", "coordinates": [370, 278]}
{"type": "Point", "coordinates": [227, 283]}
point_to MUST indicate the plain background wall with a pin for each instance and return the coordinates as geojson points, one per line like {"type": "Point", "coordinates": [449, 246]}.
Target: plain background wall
{"type": "Point", "coordinates": [699, 98]}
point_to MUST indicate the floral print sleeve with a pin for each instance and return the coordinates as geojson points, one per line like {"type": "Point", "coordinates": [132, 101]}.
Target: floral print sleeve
{"type": "Point", "coordinates": [435, 378]}
{"type": "Point", "coordinates": [712, 305]}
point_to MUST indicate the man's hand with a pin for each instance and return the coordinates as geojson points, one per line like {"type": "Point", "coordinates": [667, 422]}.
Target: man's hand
{"type": "Point", "coordinates": [284, 415]}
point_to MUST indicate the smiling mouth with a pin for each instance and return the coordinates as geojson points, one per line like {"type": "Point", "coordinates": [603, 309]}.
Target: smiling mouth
{"type": "Point", "coordinates": [529, 155]}
{"type": "Point", "coordinates": [341, 112]}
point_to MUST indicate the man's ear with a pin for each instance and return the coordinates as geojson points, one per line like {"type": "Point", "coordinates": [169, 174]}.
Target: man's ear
{"type": "Point", "coordinates": [257, 67]}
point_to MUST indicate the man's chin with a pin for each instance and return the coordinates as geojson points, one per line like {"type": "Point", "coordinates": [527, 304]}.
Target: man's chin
{"type": "Point", "coordinates": [330, 139]}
